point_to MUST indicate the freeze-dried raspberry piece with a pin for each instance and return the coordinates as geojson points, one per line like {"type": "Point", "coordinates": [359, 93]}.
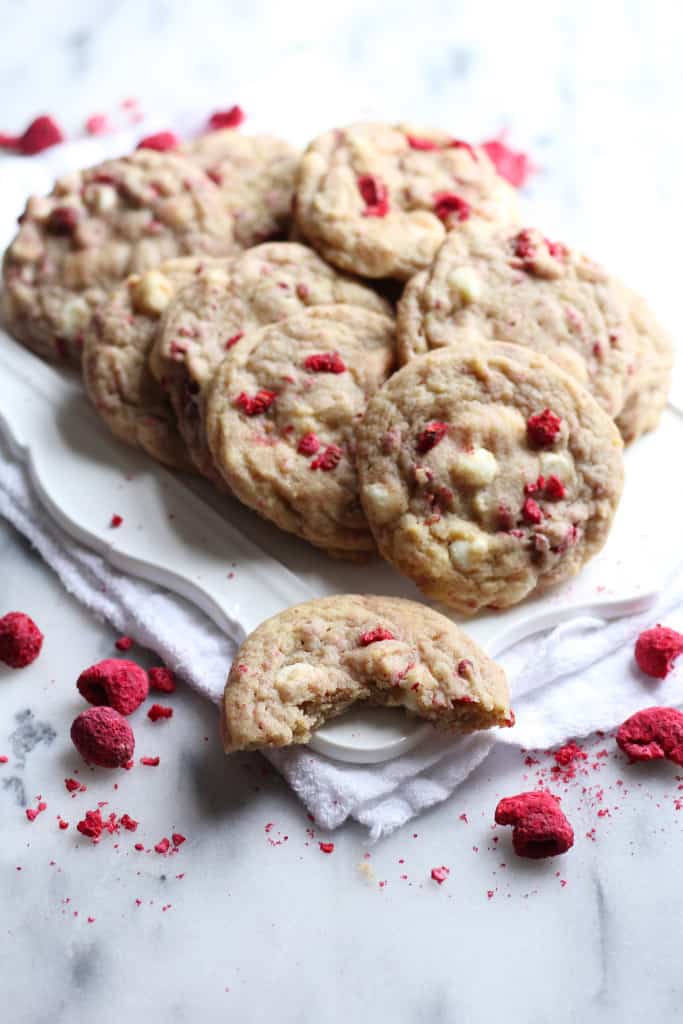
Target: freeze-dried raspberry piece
{"type": "Point", "coordinates": [308, 444]}
{"type": "Point", "coordinates": [374, 635]}
{"type": "Point", "coordinates": [163, 846]}
{"type": "Point", "coordinates": [161, 679]}
{"type": "Point", "coordinates": [430, 436]}
{"type": "Point", "coordinates": [103, 737]}
{"type": "Point", "coordinates": [62, 220]}
{"type": "Point", "coordinates": [234, 339]}
{"type": "Point", "coordinates": [328, 459]}
{"type": "Point", "coordinates": [554, 488]}
{"type": "Point", "coordinates": [20, 640]}
{"type": "Point", "coordinates": [116, 521]}
{"type": "Point", "coordinates": [448, 203]}
{"type": "Point", "coordinates": [415, 142]}
{"type": "Point", "coordinates": [231, 118]}
{"type": "Point", "coordinates": [114, 682]}
{"type": "Point", "coordinates": [326, 847]}
{"type": "Point", "coordinates": [657, 650]}
{"type": "Point", "coordinates": [42, 133]}
{"type": "Point", "coordinates": [255, 405]}
{"type": "Point", "coordinates": [440, 874]}
{"type": "Point", "coordinates": [375, 195]}
{"type": "Point", "coordinates": [531, 511]}
{"type": "Point", "coordinates": [97, 124]}
{"type": "Point", "coordinates": [161, 141]}
{"type": "Point", "coordinates": [150, 762]}
{"type": "Point", "coordinates": [178, 839]}
{"type": "Point", "coordinates": [124, 643]}
{"type": "Point", "coordinates": [130, 824]}
{"type": "Point", "coordinates": [652, 734]}
{"type": "Point", "coordinates": [325, 362]}
{"type": "Point", "coordinates": [158, 711]}
{"type": "Point", "coordinates": [540, 827]}
{"type": "Point", "coordinates": [461, 144]}
{"type": "Point", "coordinates": [524, 246]}
{"type": "Point", "coordinates": [92, 825]}
{"type": "Point", "coordinates": [542, 428]}
{"type": "Point", "coordinates": [513, 165]}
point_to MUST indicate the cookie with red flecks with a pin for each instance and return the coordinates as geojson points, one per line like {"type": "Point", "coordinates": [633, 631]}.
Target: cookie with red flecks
{"type": "Point", "coordinates": [210, 317]}
{"type": "Point", "coordinates": [487, 473]}
{"type": "Point", "coordinates": [117, 344]}
{"type": "Point", "coordinates": [378, 199]}
{"type": "Point", "coordinates": [518, 286]}
{"type": "Point", "coordinates": [281, 414]}
{"type": "Point", "coordinates": [649, 380]}
{"type": "Point", "coordinates": [256, 175]}
{"type": "Point", "coordinates": [315, 660]}
{"type": "Point", "coordinates": [95, 228]}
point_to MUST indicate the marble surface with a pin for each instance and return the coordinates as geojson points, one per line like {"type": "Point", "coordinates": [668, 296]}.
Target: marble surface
{"type": "Point", "coordinates": [260, 927]}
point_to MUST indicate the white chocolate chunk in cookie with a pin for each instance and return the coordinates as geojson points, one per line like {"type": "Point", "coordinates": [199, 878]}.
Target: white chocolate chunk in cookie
{"type": "Point", "coordinates": [476, 468]}
{"type": "Point", "coordinates": [556, 464]}
{"type": "Point", "coordinates": [152, 293]}
{"type": "Point", "coordinates": [467, 283]}
{"type": "Point", "coordinates": [464, 553]}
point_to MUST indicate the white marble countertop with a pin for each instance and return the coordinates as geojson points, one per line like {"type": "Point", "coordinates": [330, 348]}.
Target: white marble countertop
{"type": "Point", "coordinates": [242, 924]}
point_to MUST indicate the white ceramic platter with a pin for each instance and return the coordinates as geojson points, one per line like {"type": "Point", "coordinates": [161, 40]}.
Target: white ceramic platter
{"type": "Point", "coordinates": [181, 534]}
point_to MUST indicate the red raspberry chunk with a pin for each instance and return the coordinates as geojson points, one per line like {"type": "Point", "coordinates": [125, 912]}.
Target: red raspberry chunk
{"type": "Point", "coordinates": [554, 488]}
{"type": "Point", "coordinates": [328, 459]}
{"type": "Point", "coordinates": [326, 847]}
{"type": "Point", "coordinates": [542, 428]}
{"type": "Point", "coordinates": [103, 737]}
{"type": "Point", "coordinates": [657, 650]}
{"type": "Point", "coordinates": [515, 166]}
{"type": "Point", "coordinates": [325, 362]}
{"type": "Point", "coordinates": [531, 511]}
{"type": "Point", "coordinates": [652, 734]}
{"type": "Point", "coordinates": [161, 141]}
{"type": "Point", "coordinates": [162, 680]}
{"type": "Point", "coordinates": [308, 445]}
{"type": "Point", "coordinates": [257, 404]}
{"type": "Point", "coordinates": [447, 204]}
{"type": "Point", "coordinates": [116, 521]}
{"type": "Point", "coordinates": [42, 133]}
{"type": "Point", "coordinates": [440, 874]}
{"type": "Point", "coordinates": [430, 436]}
{"type": "Point", "coordinates": [231, 118]}
{"type": "Point", "coordinates": [415, 142]}
{"type": "Point", "coordinates": [116, 683]}
{"type": "Point", "coordinates": [375, 195]}
{"type": "Point", "coordinates": [130, 824]}
{"type": "Point", "coordinates": [97, 124]}
{"type": "Point", "coordinates": [158, 711]}
{"type": "Point", "coordinates": [62, 220]}
{"type": "Point", "coordinates": [163, 846]}
{"type": "Point", "coordinates": [461, 144]}
{"type": "Point", "coordinates": [20, 640]}
{"type": "Point", "coordinates": [540, 828]}
{"type": "Point", "coordinates": [124, 643]}
{"type": "Point", "coordinates": [374, 635]}
{"type": "Point", "coordinates": [234, 339]}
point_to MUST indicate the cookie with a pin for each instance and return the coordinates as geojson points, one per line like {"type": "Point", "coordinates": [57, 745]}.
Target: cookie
{"type": "Point", "coordinates": [648, 386]}
{"type": "Point", "coordinates": [313, 661]}
{"type": "Point", "coordinates": [263, 285]}
{"type": "Point", "coordinates": [486, 473]}
{"type": "Point", "coordinates": [378, 199]}
{"type": "Point", "coordinates": [517, 286]}
{"type": "Point", "coordinates": [256, 175]}
{"type": "Point", "coordinates": [281, 414]}
{"type": "Point", "coordinates": [115, 353]}
{"type": "Point", "coordinates": [94, 229]}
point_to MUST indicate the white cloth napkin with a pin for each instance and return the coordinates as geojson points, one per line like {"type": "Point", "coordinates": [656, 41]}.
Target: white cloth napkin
{"type": "Point", "coordinates": [579, 678]}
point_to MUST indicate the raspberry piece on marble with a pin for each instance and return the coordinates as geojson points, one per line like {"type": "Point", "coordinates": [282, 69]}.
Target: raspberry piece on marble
{"type": "Point", "coordinates": [231, 118]}
{"type": "Point", "coordinates": [653, 734]}
{"type": "Point", "coordinates": [41, 134]}
{"type": "Point", "coordinates": [115, 683]}
{"type": "Point", "coordinates": [326, 847]}
{"type": "Point", "coordinates": [158, 711]}
{"type": "Point", "coordinates": [124, 643]}
{"type": "Point", "coordinates": [657, 649]}
{"type": "Point", "coordinates": [540, 828]}
{"type": "Point", "coordinates": [160, 141]}
{"type": "Point", "coordinates": [161, 679]}
{"type": "Point", "coordinates": [440, 874]}
{"type": "Point", "coordinates": [116, 521]}
{"type": "Point", "coordinates": [97, 124]}
{"type": "Point", "coordinates": [103, 737]}
{"type": "Point", "coordinates": [20, 640]}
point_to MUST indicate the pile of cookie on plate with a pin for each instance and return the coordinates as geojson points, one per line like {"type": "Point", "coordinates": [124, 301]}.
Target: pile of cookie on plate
{"type": "Point", "coordinates": [415, 371]}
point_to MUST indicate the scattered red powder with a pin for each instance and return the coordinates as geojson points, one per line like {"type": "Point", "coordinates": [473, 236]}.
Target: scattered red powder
{"type": "Point", "coordinates": [124, 643]}
{"type": "Point", "coordinates": [150, 762]}
{"type": "Point", "coordinates": [163, 846]}
{"type": "Point", "coordinates": [20, 640]}
{"type": "Point", "coordinates": [116, 521]}
{"type": "Point", "coordinates": [257, 404]}
{"type": "Point", "coordinates": [656, 651]}
{"type": "Point", "coordinates": [440, 874]}
{"type": "Point", "coordinates": [430, 436]}
{"type": "Point", "coordinates": [41, 134]}
{"type": "Point", "coordinates": [97, 124]}
{"type": "Point", "coordinates": [325, 362]}
{"type": "Point", "coordinates": [161, 141]}
{"type": "Point", "coordinates": [130, 824]}
{"type": "Point", "coordinates": [374, 635]}
{"type": "Point", "coordinates": [308, 444]}
{"type": "Point", "coordinates": [447, 204]}
{"type": "Point", "coordinates": [652, 734]}
{"type": "Point", "coordinates": [328, 459]}
{"type": "Point", "coordinates": [158, 711]}
{"type": "Point", "coordinates": [540, 827]}
{"type": "Point", "coordinates": [116, 683]}
{"type": "Point", "coordinates": [375, 195]}
{"type": "Point", "coordinates": [33, 812]}
{"type": "Point", "coordinates": [515, 166]}
{"type": "Point", "coordinates": [231, 118]}
{"type": "Point", "coordinates": [103, 737]}
{"type": "Point", "coordinates": [326, 847]}
{"type": "Point", "coordinates": [161, 679]}
{"type": "Point", "coordinates": [542, 428]}
{"type": "Point", "coordinates": [93, 825]}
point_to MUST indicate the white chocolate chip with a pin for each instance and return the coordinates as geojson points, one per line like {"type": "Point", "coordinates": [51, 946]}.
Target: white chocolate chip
{"type": "Point", "coordinates": [556, 464]}
{"type": "Point", "coordinates": [103, 198]}
{"type": "Point", "coordinates": [467, 283]}
{"type": "Point", "coordinates": [423, 475]}
{"type": "Point", "coordinates": [152, 293]}
{"type": "Point", "coordinates": [464, 552]}
{"type": "Point", "coordinates": [384, 502]}
{"type": "Point", "coordinates": [477, 468]}
{"type": "Point", "coordinates": [75, 316]}
{"type": "Point", "coordinates": [292, 680]}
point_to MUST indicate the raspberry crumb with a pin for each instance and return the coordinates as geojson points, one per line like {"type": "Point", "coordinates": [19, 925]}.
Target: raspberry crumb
{"type": "Point", "coordinates": [448, 203]}
{"type": "Point", "coordinates": [326, 847]}
{"type": "Point", "coordinates": [374, 635]}
{"type": "Point", "coordinates": [158, 711]}
{"type": "Point", "coordinates": [163, 846]}
{"type": "Point", "coordinates": [234, 339]}
{"type": "Point", "coordinates": [531, 511]}
{"type": "Point", "coordinates": [653, 734]}
{"type": "Point", "coordinates": [97, 124]}
{"type": "Point", "coordinates": [74, 786]}
{"type": "Point", "coordinates": [515, 166]}
{"type": "Point", "coordinates": [161, 141]}
{"type": "Point", "coordinates": [116, 521]}
{"type": "Point", "coordinates": [130, 824]}
{"type": "Point", "coordinates": [124, 643]}
{"type": "Point", "coordinates": [20, 640]}
{"type": "Point", "coordinates": [656, 651]}
{"type": "Point", "coordinates": [542, 428]}
{"type": "Point", "coordinates": [103, 737]}
{"type": "Point", "coordinates": [150, 762]}
{"type": "Point", "coordinates": [161, 679]}
{"type": "Point", "coordinates": [375, 195]}
{"type": "Point", "coordinates": [231, 118]}
{"type": "Point", "coordinates": [63, 824]}
{"type": "Point", "coordinates": [257, 404]}
{"type": "Point", "coordinates": [440, 874]}
{"type": "Point", "coordinates": [554, 488]}
{"type": "Point", "coordinates": [325, 362]}
{"type": "Point", "coordinates": [139, 847]}
{"type": "Point", "coordinates": [430, 436]}
{"type": "Point", "coordinates": [116, 683]}
{"type": "Point", "coordinates": [328, 459]}
{"type": "Point", "coordinates": [415, 142]}
{"type": "Point", "coordinates": [308, 444]}
{"type": "Point", "coordinates": [4, 758]}
{"type": "Point", "coordinates": [33, 812]}
{"type": "Point", "coordinates": [41, 134]}
{"type": "Point", "coordinates": [178, 839]}
{"type": "Point", "coordinates": [540, 828]}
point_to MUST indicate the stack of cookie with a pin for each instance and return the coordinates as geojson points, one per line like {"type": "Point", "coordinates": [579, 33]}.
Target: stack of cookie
{"type": "Point", "coordinates": [473, 434]}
